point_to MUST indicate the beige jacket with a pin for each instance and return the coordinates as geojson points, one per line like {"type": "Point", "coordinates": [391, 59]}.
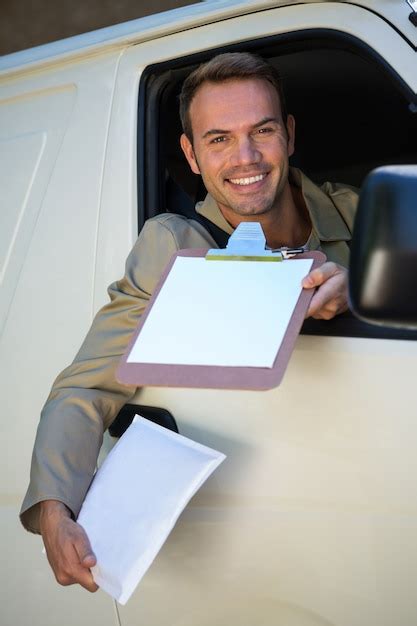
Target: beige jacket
{"type": "Point", "coordinates": [86, 397]}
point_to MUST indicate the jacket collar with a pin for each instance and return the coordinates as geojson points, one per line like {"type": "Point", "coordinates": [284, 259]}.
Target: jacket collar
{"type": "Point", "coordinates": [209, 208]}
{"type": "Point", "coordinates": [327, 223]}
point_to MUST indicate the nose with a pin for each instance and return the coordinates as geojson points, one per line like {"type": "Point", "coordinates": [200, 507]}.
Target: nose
{"type": "Point", "coordinates": [245, 152]}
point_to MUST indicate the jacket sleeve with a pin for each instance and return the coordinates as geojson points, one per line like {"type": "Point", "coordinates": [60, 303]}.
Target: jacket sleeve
{"type": "Point", "coordinates": [86, 397]}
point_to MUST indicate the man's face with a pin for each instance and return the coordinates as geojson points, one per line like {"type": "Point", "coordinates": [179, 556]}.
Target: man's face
{"type": "Point", "coordinates": [240, 145]}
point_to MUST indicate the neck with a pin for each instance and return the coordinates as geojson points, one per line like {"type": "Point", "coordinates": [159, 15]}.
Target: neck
{"type": "Point", "coordinates": [286, 224]}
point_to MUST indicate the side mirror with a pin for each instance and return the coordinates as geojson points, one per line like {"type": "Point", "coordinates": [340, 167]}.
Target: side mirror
{"type": "Point", "coordinates": [383, 268]}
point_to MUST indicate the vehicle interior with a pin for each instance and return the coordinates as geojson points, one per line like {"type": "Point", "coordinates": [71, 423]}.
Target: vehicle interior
{"type": "Point", "coordinates": [353, 113]}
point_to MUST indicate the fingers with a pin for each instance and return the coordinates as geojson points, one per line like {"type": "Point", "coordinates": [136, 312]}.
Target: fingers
{"type": "Point", "coordinates": [67, 566]}
{"type": "Point", "coordinates": [318, 276]}
{"type": "Point", "coordinates": [67, 547]}
{"type": "Point", "coordinates": [326, 312]}
{"type": "Point", "coordinates": [331, 297]}
{"type": "Point", "coordinates": [71, 557]}
{"type": "Point", "coordinates": [82, 559]}
{"type": "Point", "coordinates": [83, 548]}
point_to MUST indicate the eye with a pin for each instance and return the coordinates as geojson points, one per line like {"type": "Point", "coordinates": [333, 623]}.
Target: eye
{"type": "Point", "coordinates": [219, 139]}
{"type": "Point", "coordinates": [265, 130]}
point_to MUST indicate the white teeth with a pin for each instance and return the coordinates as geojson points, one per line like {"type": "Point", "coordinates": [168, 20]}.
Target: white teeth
{"type": "Point", "coordinates": [247, 181]}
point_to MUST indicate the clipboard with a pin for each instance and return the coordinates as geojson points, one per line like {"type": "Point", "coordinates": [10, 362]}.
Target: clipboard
{"type": "Point", "coordinates": [213, 376]}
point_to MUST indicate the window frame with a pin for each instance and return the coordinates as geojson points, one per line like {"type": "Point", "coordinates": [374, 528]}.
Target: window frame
{"type": "Point", "coordinates": [159, 77]}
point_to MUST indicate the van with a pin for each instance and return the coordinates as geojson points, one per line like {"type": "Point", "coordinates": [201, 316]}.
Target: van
{"type": "Point", "coordinates": [311, 520]}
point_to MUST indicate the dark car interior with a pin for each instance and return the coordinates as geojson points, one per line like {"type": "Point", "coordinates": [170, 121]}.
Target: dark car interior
{"type": "Point", "coordinates": [353, 113]}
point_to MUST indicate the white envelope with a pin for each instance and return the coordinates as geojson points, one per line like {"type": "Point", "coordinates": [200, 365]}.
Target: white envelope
{"type": "Point", "coordinates": [135, 499]}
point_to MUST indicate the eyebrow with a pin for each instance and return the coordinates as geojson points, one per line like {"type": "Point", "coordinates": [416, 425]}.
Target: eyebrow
{"type": "Point", "coordinates": [220, 131]}
{"type": "Point", "coordinates": [266, 120]}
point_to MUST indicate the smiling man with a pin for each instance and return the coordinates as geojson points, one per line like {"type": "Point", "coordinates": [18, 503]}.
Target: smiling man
{"type": "Point", "coordinates": [238, 136]}
{"type": "Point", "coordinates": [240, 145]}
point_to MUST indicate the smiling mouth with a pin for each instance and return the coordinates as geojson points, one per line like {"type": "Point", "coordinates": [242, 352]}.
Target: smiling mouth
{"type": "Point", "coordinates": [248, 180]}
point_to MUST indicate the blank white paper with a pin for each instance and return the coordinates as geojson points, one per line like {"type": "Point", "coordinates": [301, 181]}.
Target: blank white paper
{"type": "Point", "coordinates": [135, 499]}
{"type": "Point", "coordinates": [221, 313]}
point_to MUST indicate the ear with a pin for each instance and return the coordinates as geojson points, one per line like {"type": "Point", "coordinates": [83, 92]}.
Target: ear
{"type": "Point", "coordinates": [188, 150]}
{"type": "Point", "coordinates": [291, 134]}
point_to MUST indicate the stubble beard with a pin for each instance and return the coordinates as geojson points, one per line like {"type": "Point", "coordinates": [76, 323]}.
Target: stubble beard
{"type": "Point", "coordinates": [247, 207]}
{"type": "Point", "coordinates": [251, 207]}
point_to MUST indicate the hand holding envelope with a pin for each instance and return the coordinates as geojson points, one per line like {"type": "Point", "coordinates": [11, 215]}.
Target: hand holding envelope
{"type": "Point", "coordinates": [135, 499]}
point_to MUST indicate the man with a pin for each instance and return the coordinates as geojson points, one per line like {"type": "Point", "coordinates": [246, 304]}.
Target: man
{"type": "Point", "coordinates": [238, 136]}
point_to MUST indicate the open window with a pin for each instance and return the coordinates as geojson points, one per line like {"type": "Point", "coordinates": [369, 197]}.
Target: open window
{"type": "Point", "coordinates": [352, 114]}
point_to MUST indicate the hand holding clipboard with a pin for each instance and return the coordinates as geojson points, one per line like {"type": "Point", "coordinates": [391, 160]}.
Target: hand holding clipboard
{"type": "Point", "coordinates": [227, 324]}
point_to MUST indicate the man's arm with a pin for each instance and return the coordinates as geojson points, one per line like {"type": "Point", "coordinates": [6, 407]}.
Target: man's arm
{"type": "Point", "coordinates": [331, 297]}
{"type": "Point", "coordinates": [86, 398]}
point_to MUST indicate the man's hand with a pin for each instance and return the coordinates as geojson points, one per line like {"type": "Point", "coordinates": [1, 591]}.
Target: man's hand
{"type": "Point", "coordinates": [331, 297]}
{"type": "Point", "coordinates": [67, 546]}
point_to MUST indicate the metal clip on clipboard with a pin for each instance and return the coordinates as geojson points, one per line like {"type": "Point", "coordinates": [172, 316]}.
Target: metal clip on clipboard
{"type": "Point", "coordinates": [247, 243]}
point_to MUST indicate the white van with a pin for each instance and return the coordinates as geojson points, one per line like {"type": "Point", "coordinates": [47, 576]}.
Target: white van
{"type": "Point", "coordinates": [312, 519]}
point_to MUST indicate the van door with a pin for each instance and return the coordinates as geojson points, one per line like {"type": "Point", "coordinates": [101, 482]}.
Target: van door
{"type": "Point", "coordinates": [311, 519]}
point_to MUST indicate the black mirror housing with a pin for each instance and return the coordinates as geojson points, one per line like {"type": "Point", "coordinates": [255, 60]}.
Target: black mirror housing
{"type": "Point", "coordinates": [383, 267]}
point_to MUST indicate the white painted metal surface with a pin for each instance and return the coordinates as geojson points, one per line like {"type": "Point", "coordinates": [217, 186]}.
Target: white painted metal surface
{"type": "Point", "coordinates": [153, 27]}
{"type": "Point", "coordinates": [311, 520]}
{"type": "Point", "coordinates": [53, 133]}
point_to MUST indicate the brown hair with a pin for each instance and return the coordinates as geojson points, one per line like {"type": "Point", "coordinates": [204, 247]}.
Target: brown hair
{"type": "Point", "coordinates": [223, 67]}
